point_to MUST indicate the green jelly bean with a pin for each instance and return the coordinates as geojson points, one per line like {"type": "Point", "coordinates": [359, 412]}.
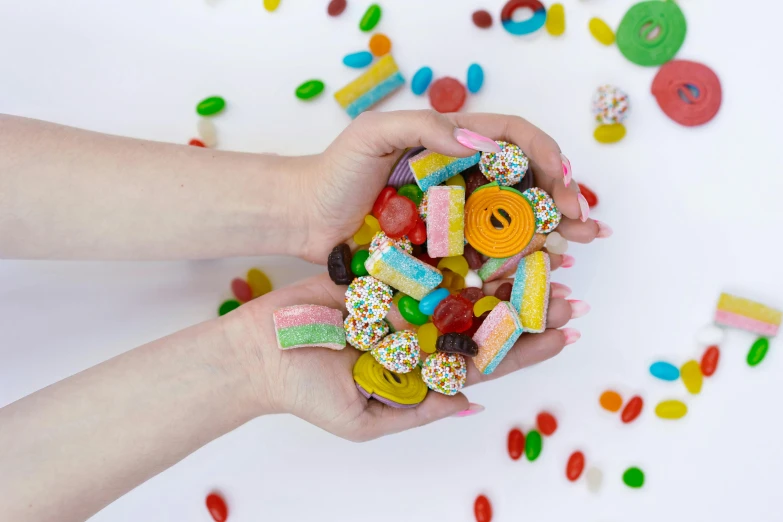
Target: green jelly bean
{"type": "Point", "coordinates": [309, 89]}
{"type": "Point", "coordinates": [371, 18]}
{"type": "Point", "coordinates": [409, 310]}
{"type": "Point", "coordinates": [652, 32]}
{"type": "Point", "coordinates": [211, 106]}
{"type": "Point", "coordinates": [357, 263]}
{"type": "Point", "coordinates": [412, 192]}
{"type": "Point", "coordinates": [228, 306]}
{"type": "Point", "coordinates": [633, 477]}
{"type": "Point", "coordinates": [758, 351]}
{"type": "Point", "coordinates": [533, 445]}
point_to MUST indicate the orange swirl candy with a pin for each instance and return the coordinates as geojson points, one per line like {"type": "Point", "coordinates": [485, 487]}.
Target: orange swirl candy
{"type": "Point", "coordinates": [510, 209]}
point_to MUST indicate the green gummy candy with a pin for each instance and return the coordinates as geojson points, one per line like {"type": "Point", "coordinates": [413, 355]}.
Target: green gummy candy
{"type": "Point", "coordinates": [412, 192]}
{"type": "Point", "coordinates": [533, 445]}
{"type": "Point", "coordinates": [211, 106]}
{"type": "Point", "coordinates": [371, 18]}
{"type": "Point", "coordinates": [228, 306]}
{"type": "Point", "coordinates": [633, 477]}
{"type": "Point", "coordinates": [357, 263]}
{"type": "Point", "coordinates": [309, 89]}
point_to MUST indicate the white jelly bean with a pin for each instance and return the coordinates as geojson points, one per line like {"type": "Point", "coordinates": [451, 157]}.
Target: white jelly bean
{"type": "Point", "coordinates": [594, 478]}
{"type": "Point", "coordinates": [556, 244]}
{"type": "Point", "coordinates": [472, 280]}
{"type": "Point", "coordinates": [207, 132]}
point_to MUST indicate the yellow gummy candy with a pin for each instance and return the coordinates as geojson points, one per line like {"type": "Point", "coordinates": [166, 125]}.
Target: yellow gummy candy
{"type": "Point", "coordinates": [367, 232]}
{"type": "Point", "coordinates": [601, 31]}
{"type": "Point", "coordinates": [271, 5]}
{"type": "Point", "coordinates": [691, 376]}
{"type": "Point", "coordinates": [452, 282]}
{"type": "Point", "coordinates": [671, 410]}
{"type": "Point", "coordinates": [259, 282]}
{"type": "Point", "coordinates": [457, 264]}
{"type": "Point", "coordinates": [609, 133]}
{"type": "Point", "coordinates": [485, 304]}
{"type": "Point", "coordinates": [396, 298]}
{"type": "Point", "coordinates": [428, 337]}
{"type": "Point", "coordinates": [456, 181]}
{"type": "Point", "coordinates": [555, 20]}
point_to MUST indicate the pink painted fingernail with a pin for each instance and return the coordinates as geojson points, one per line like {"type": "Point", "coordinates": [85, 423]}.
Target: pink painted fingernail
{"type": "Point", "coordinates": [568, 261]}
{"type": "Point", "coordinates": [604, 230]}
{"type": "Point", "coordinates": [584, 208]}
{"type": "Point", "coordinates": [566, 169]}
{"type": "Point", "coordinates": [572, 335]}
{"type": "Point", "coordinates": [475, 141]}
{"type": "Point", "coordinates": [473, 409]}
{"type": "Point", "coordinates": [560, 291]}
{"type": "Point", "coordinates": [578, 309]}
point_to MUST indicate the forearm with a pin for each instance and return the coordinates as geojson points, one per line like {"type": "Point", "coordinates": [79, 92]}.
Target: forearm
{"type": "Point", "coordinates": [66, 193]}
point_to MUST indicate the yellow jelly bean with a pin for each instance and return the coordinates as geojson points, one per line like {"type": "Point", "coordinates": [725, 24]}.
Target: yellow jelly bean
{"type": "Point", "coordinates": [367, 232]}
{"type": "Point", "coordinates": [555, 20]}
{"type": "Point", "coordinates": [271, 5]}
{"type": "Point", "coordinates": [609, 133]}
{"type": "Point", "coordinates": [452, 282]}
{"type": "Point", "coordinates": [457, 264]}
{"type": "Point", "coordinates": [485, 304]}
{"type": "Point", "coordinates": [691, 376]}
{"type": "Point", "coordinates": [456, 181]}
{"type": "Point", "coordinates": [428, 337]}
{"type": "Point", "coordinates": [671, 410]}
{"type": "Point", "coordinates": [259, 282]}
{"type": "Point", "coordinates": [396, 298]}
{"type": "Point", "coordinates": [601, 31]}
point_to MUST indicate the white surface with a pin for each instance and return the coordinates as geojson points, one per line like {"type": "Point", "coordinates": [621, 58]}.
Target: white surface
{"type": "Point", "coordinates": [695, 211]}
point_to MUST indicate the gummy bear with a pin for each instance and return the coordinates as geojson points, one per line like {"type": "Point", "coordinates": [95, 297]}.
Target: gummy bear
{"type": "Point", "coordinates": [453, 314]}
{"type": "Point", "coordinates": [398, 216]}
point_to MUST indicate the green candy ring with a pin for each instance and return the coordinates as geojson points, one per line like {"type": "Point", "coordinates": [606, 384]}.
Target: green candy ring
{"type": "Point", "coordinates": [641, 20]}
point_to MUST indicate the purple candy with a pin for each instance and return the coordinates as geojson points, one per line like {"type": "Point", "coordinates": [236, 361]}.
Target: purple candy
{"type": "Point", "coordinates": [385, 401]}
{"type": "Point", "coordinates": [401, 174]}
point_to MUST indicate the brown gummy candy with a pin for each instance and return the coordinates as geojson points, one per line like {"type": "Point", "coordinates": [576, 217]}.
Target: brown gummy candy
{"type": "Point", "coordinates": [482, 19]}
{"type": "Point", "coordinates": [339, 265]}
{"type": "Point", "coordinates": [473, 180]}
{"type": "Point", "coordinates": [457, 343]}
{"type": "Point", "coordinates": [336, 7]}
{"type": "Point", "coordinates": [503, 292]}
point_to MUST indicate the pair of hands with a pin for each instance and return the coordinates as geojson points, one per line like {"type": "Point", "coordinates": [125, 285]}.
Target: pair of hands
{"type": "Point", "coordinates": [317, 384]}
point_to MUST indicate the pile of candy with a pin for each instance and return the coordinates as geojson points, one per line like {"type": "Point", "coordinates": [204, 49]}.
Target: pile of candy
{"type": "Point", "coordinates": [255, 285]}
{"type": "Point", "coordinates": [207, 109]}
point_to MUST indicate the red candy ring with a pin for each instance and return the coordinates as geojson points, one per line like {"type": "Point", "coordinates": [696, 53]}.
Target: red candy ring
{"type": "Point", "coordinates": [447, 95]}
{"type": "Point", "coordinates": [673, 88]}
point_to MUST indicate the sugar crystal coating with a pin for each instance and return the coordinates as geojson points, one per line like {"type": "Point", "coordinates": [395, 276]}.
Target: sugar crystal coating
{"type": "Point", "coordinates": [403, 243]}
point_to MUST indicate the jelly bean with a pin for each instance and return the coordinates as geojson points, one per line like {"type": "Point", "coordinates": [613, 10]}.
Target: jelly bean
{"type": "Point", "coordinates": [485, 305]}
{"type": "Point", "coordinates": [447, 95]}
{"type": "Point", "coordinates": [382, 199]}
{"type": "Point", "coordinates": [432, 300]}
{"type": "Point", "coordinates": [611, 401]}
{"type": "Point", "coordinates": [259, 282]}
{"type": "Point", "coordinates": [589, 195]}
{"type": "Point", "coordinates": [516, 444]}
{"type": "Point", "coordinates": [503, 292]}
{"type": "Point", "coordinates": [594, 478]}
{"type": "Point", "coordinates": [451, 281]}
{"type": "Point", "coordinates": [556, 244]}
{"type": "Point", "coordinates": [533, 445]}
{"type": "Point", "coordinates": [671, 409]}
{"type": "Point", "coordinates": [709, 361]}
{"type": "Point", "coordinates": [228, 306]}
{"type": "Point", "coordinates": [211, 106]}
{"type": "Point", "coordinates": [473, 258]}
{"type": "Point", "coordinates": [664, 371]}
{"type": "Point", "coordinates": [632, 409]}
{"type": "Point", "coordinates": [482, 19]}
{"type": "Point", "coordinates": [609, 133]}
{"type": "Point", "coordinates": [398, 217]}
{"type": "Point", "coordinates": [691, 376]}
{"type": "Point", "coordinates": [409, 309]}
{"type": "Point", "coordinates": [575, 466]}
{"type": "Point", "coordinates": [271, 5]}
{"type": "Point", "coordinates": [309, 89]}
{"type": "Point", "coordinates": [475, 78]}
{"type": "Point", "coordinates": [358, 60]}
{"type": "Point", "coordinates": [368, 230]}
{"type": "Point", "coordinates": [336, 7]}
{"type": "Point", "coordinates": [633, 477]}
{"type": "Point", "coordinates": [453, 314]}
{"type": "Point", "coordinates": [457, 264]}
{"type": "Point", "coordinates": [357, 263]}
{"type": "Point", "coordinates": [758, 351]}
{"type": "Point", "coordinates": [555, 20]}
{"type": "Point", "coordinates": [472, 280]}
{"type": "Point", "coordinates": [457, 343]}
{"type": "Point", "coordinates": [217, 507]}
{"type": "Point", "coordinates": [371, 18]}
{"type": "Point", "coordinates": [207, 132]}
{"type": "Point", "coordinates": [710, 335]}
{"type": "Point", "coordinates": [456, 181]}
{"type": "Point", "coordinates": [547, 423]}
{"type": "Point", "coordinates": [412, 192]}
{"type": "Point", "coordinates": [418, 234]}
{"type": "Point", "coordinates": [196, 143]}
{"type": "Point", "coordinates": [241, 290]}
{"type": "Point", "coordinates": [601, 31]}
{"type": "Point", "coordinates": [339, 265]}
{"type": "Point", "coordinates": [421, 80]}
{"type": "Point", "coordinates": [428, 337]}
{"type": "Point", "coordinates": [482, 509]}
{"type": "Point", "coordinates": [380, 44]}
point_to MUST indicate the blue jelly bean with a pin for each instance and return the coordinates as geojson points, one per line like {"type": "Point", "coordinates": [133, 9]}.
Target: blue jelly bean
{"type": "Point", "coordinates": [358, 60]}
{"type": "Point", "coordinates": [421, 80]}
{"type": "Point", "coordinates": [475, 78]}
{"type": "Point", "coordinates": [664, 371]}
{"type": "Point", "coordinates": [432, 300]}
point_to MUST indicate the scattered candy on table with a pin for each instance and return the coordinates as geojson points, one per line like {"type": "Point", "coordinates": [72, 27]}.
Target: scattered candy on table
{"type": "Point", "coordinates": [207, 132]}
{"type": "Point", "coordinates": [371, 18]}
{"type": "Point", "coordinates": [482, 509]}
{"type": "Point", "coordinates": [309, 325]}
{"type": "Point", "coordinates": [575, 466]}
{"type": "Point", "coordinates": [611, 133]}
{"type": "Point", "coordinates": [594, 478]}
{"type": "Point", "coordinates": [589, 195]}
{"type": "Point", "coordinates": [601, 31]}
{"type": "Point", "coordinates": [211, 106]}
{"type": "Point", "coordinates": [738, 312]}
{"type": "Point", "coordinates": [271, 5]}
{"type": "Point", "coordinates": [611, 401]}
{"type": "Point", "coordinates": [524, 27]}
{"type": "Point", "coordinates": [664, 371]}
{"type": "Point", "coordinates": [691, 376]}
{"type": "Point", "coordinates": [482, 19]}
{"type": "Point", "coordinates": [555, 20]}
{"type": "Point", "coordinates": [421, 81]}
{"type": "Point", "coordinates": [379, 81]}
{"type": "Point", "coordinates": [709, 361]}
{"type": "Point", "coordinates": [255, 285]}
{"type": "Point", "coordinates": [217, 507]}
{"type": "Point", "coordinates": [610, 105]}
{"type": "Point", "coordinates": [516, 443]}
{"type": "Point", "coordinates": [534, 443]}
{"type": "Point", "coordinates": [380, 44]}
{"type": "Point", "coordinates": [447, 95]}
{"type": "Point", "coordinates": [228, 306]}
{"type": "Point", "coordinates": [336, 7]}
{"type": "Point", "coordinates": [475, 78]}
{"type": "Point", "coordinates": [687, 92]}
{"type": "Point", "coordinates": [758, 351]}
{"type": "Point", "coordinates": [309, 89]}
{"type": "Point", "coordinates": [546, 423]}
{"type": "Point", "coordinates": [672, 409]}
{"type": "Point", "coordinates": [445, 373]}
{"type": "Point", "coordinates": [358, 60]}
{"type": "Point", "coordinates": [633, 477]}
{"type": "Point", "coordinates": [632, 410]}
{"type": "Point", "coordinates": [405, 390]}
{"type": "Point", "coordinates": [241, 290]}
{"type": "Point", "coordinates": [651, 32]}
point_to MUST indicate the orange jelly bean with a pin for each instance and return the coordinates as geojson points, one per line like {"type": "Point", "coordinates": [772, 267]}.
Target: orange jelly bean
{"type": "Point", "coordinates": [611, 401]}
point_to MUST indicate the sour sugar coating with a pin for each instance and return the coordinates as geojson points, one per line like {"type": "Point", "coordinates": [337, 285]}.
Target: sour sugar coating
{"type": "Point", "coordinates": [309, 325]}
{"type": "Point", "coordinates": [446, 221]}
{"type": "Point", "coordinates": [430, 168]}
{"type": "Point", "coordinates": [610, 105]}
{"type": "Point", "coordinates": [547, 214]}
{"type": "Point", "coordinates": [403, 271]}
{"type": "Point", "coordinates": [403, 390]}
{"type": "Point", "coordinates": [368, 299]}
{"type": "Point", "coordinates": [445, 373]}
{"type": "Point", "coordinates": [363, 335]}
{"type": "Point", "coordinates": [398, 352]}
{"type": "Point", "coordinates": [496, 337]}
{"type": "Point", "coordinates": [530, 294]}
{"type": "Point", "coordinates": [403, 243]}
{"type": "Point", "coordinates": [738, 312]}
{"type": "Point", "coordinates": [506, 167]}
{"type": "Point", "coordinates": [378, 82]}
{"type": "Point", "coordinates": [499, 268]}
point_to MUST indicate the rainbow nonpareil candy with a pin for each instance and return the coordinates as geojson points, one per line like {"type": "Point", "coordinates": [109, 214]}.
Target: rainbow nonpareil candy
{"type": "Point", "coordinates": [445, 221]}
{"type": "Point", "coordinates": [496, 336]}
{"type": "Point", "coordinates": [309, 325]}
{"type": "Point", "coordinates": [530, 294]}
{"type": "Point", "coordinates": [498, 268]}
{"type": "Point", "coordinates": [738, 312]}
{"type": "Point", "coordinates": [402, 271]}
{"type": "Point", "coordinates": [378, 82]}
{"type": "Point", "coordinates": [430, 168]}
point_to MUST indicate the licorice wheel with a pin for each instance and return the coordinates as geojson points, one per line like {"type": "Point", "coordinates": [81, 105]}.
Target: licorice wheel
{"type": "Point", "coordinates": [687, 92]}
{"type": "Point", "coordinates": [489, 203]}
{"type": "Point", "coordinates": [399, 390]}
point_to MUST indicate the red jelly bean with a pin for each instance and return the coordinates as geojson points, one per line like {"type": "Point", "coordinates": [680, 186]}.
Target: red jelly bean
{"type": "Point", "coordinates": [482, 509]}
{"type": "Point", "coordinates": [590, 197]}
{"type": "Point", "coordinates": [381, 200]}
{"type": "Point", "coordinates": [447, 95]}
{"type": "Point", "coordinates": [242, 290]}
{"type": "Point", "coordinates": [336, 7]}
{"type": "Point", "coordinates": [575, 466]}
{"type": "Point", "coordinates": [196, 143]}
{"type": "Point", "coordinates": [632, 409]}
{"type": "Point", "coordinates": [503, 292]}
{"type": "Point", "coordinates": [709, 361]}
{"type": "Point", "coordinates": [516, 444]}
{"type": "Point", "coordinates": [472, 294]}
{"type": "Point", "coordinates": [432, 261]}
{"type": "Point", "coordinates": [482, 19]}
{"type": "Point", "coordinates": [473, 258]}
{"type": "Point", "coordinates": [453, 314]}
{"type": "Point", "coordinates": [547, 423]}
{"type": "Point", "coordinates": [398, 217]}
{"type": "Point", "coordinates": [418, 235]}
{"type": "Point", "coordinates": [217, 507]}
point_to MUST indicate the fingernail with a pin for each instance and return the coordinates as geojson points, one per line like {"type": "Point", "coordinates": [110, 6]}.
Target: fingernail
{"type": "Point", "coordinates": [566, 169]}
{"type": "Point", "coordinates": [560, 291]}
{"type": "Point", "coordinates": [571, 335]}
{"type": "Point", "coordinates": [472, 410]}
{"type": "Point", "coordinates": [578, 309]}
{"type": "Point", "coordinates": [584, 208]}
{"type": "Point", "coordinates": [475, 141]}
{"type": "Point", "coordinates": [568, 261]}
{"type": "Point", "coordinates": [604, 230]}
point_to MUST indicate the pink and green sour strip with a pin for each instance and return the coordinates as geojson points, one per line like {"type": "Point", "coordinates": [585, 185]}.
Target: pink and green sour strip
{"type": "Point", "coordinates": [309, 325]}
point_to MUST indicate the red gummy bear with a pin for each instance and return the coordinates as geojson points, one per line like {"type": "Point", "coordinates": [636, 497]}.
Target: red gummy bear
{"type": "Point", "coordinates": [398, 216]}
{"type": "Point", "coordinates": [381, 201]}
{"type": "Point", "coordinates": [453, 314]}
{"type": "Point", "coordinates": [418, 235]}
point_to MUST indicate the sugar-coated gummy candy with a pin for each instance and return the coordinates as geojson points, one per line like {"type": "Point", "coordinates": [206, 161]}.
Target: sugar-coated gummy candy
{"type": "Point", "coordinates": [404, 272]}
{"type": "Point", "coordinates": [398, 216]}
{"type": "Point", "coordinates": [475, 78]}
{"type": "Point", "coordinates": [671, 410]}
{"type": "Point", "coordinates": [496, 337]}
{"type": "Point", "coordinates": [228, 306]}
{"type": "Point", "coordinates": [485, 305]}
{"type": "Point", "coordinates": [358, 60]}
{"type": "Point", "coordinates": [472, 294]}
{"type": "Point", "coordinates": [758, 351]}
{"type": "Point", "coordinates": [709, 361]}
{"type": "Point", "coordinates": [445, 373]}
{"type": "Point", "coordinates": [418, 234]}
{"type": "Point", "coordinates": [665, 371]}
{"type": "Point", "coordinates": [309, 89]}
{"type": "Point", "coordinates": [503, 292]}
{"type": "Point", "coordinates": [339, 264]}
{"type": "Point", "coordinates": [336, 7]}
{"type": "Point", "coordinates": [421, 80]}
{"type": "Point", "coordinates": [309, 325]}
{"type": "Point", "coordinates": [259, 282]}
{"type": "Point", "coordinates": [482, 19]}
{"type": "Point", "coordinates": [453, 314]}
{"type": "Point", "coordinates": [594, 478]}
{"type": "Point", "coordinates": [428, 304]}
{"type": "Point", "coordinates": [369, 228]}
{"type": "Point", "coordinates": [506, 167]}
{"type": "Point", "coordinates": [403, 243]}
{"type": "Point", "coordinates": [632, 409]}
{"type": "Point", "coordinates": [398, 352]}
{"type": "Point", "coordinates": [363, 335]}
{"type": "Point", "coordinates": [207, 132]}
{"type": "Point", "coordinates": [555, 20]}
{"type": "Point", "coordinates": [211, 106]}
{"type": "Point", "coordinates": [457, 343]}
{"type": "Point", "coordinates": [601, 31]}
{"type": "Point", "coordinates": [371, 18]}
{"type": "Point", "coordinates": [575, 466]}
{"type": "Point", "coordinates": [556, 244]}
{"type": "Point", "coordinates": [412, 192]}
{"type": "Point", "coordinates": [633, 477]}
{"type": "Point", "coordinates": [610, 105]}
{"type": "Point", "coordinates": [589, 195]}
{"type": "Point", "coordinates": [611, 401]}
{"type": "Point", "coordinates": [546, 423]}
{"type": "Point", "coordinates": [196, 143]}
{"type": "Point", "coordinates": [516, 443]}
{"type": "Point", "coordinates": [691, 376]}
{"type": "Point", "coordinates": [380, 44]}
{"type": "Point", "coordinates": [428, 337]}
{"type": "Point", "coordinates": [745, 314]}
{"type": "Point", "coordinates": [379, 81]}
{"type": "Point", "coordinates": [409, 309]}
{"type": "Point", "coordinates": [357, 263]}
{"type": "Point", "coordinates": [482, 509]}
{"type": "Point", "coordinates": [368, 298]}
{"type": "Point", "coordinates": [472, 280]}
{"type": "Point", "coordinates": [533, 445]}
{"type": "Point", "coordinates": [241, 290]}
{"type": "Point", "coordinates": [530, 293]}
{"type": "Point", "coordinates": [271, 5]}
{"type": "Point", "coordinates": [217, 507]}
{"type": "Point", "coordinates": [457, 264]}
{"type": "Point", "coordinates": [447, 95]}
{"type": "Point", "coordinates": [609, 133]}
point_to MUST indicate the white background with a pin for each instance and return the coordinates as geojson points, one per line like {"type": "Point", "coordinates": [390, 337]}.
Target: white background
{"type": "Point", "coordinates": [695, 211]}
